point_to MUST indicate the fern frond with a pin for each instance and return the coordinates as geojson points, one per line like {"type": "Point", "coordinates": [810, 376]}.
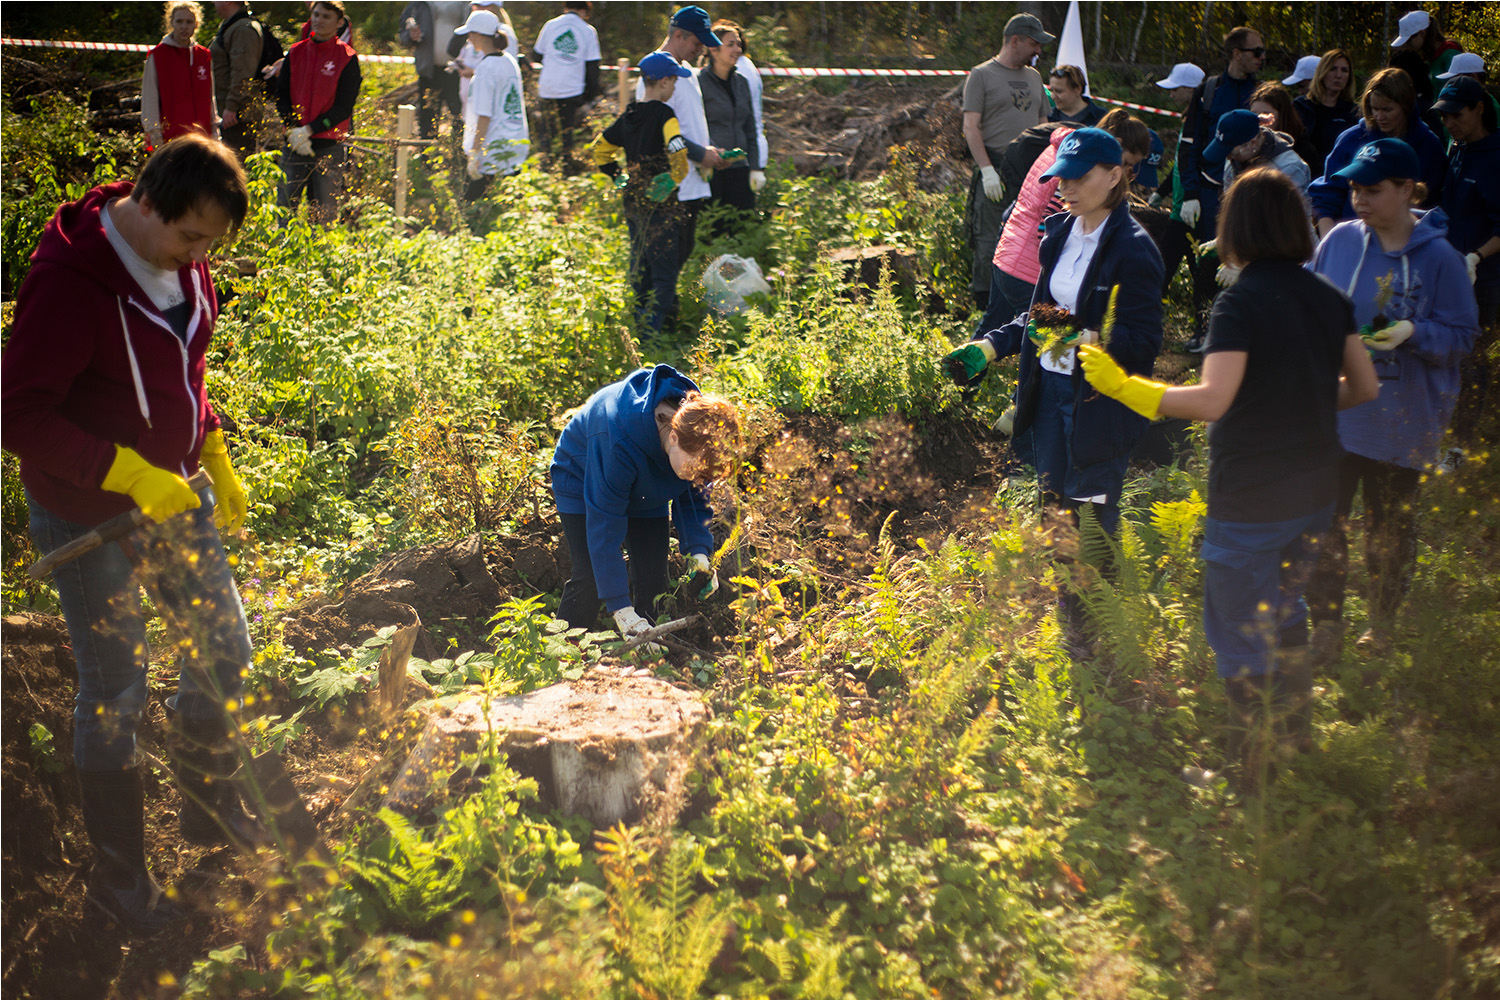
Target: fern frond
{"type": "Point", "coordinates": [1108, 326]}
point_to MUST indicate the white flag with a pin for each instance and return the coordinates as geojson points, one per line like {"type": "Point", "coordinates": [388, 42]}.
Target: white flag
{"type": "Point", "coordinates": [1070, 46]}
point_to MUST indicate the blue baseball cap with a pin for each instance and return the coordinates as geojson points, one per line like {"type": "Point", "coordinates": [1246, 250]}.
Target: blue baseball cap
{"type": "Point", "coordinates": [1383, 159]}
{"type": "Point", "coordinates": [1082, 151]}
{"type": "Point", "coordinates": [1235, 128]}
{"type": "Point", "coordinates": [695, 19]}
{"type": "Point", "coordinates": [660, 65]}
{"type": "Point", "coordinates": [1459, 93]}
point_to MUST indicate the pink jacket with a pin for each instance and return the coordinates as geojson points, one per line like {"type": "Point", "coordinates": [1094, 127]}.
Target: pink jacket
{"type": "Point", "coordinates": [1021, 239]}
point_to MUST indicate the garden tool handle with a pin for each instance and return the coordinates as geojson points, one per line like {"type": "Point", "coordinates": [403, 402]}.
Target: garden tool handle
{"type": "Point", "coordinates": [116, 527]}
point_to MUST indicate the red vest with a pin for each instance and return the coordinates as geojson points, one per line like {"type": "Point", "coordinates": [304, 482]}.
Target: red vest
{"type": "Point", "coordinates": [185, 89]}
{"type": "Point", "coordinates": [315, 69]}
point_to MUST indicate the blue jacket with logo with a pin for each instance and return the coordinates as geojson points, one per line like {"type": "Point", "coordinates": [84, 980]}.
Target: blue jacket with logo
{"type": "Point", "coordinates": [1102, 428]}
{"type": "Point", "coordinates": [1429, 285]}
{"type": "Point", "coordinates": [1330, 195]}
{"type": "Point", "coordinates": [610, 466]}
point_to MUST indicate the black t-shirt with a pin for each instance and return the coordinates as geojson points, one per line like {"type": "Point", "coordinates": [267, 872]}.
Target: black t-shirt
{"type": "Point", "coordinates": [1274, 454]}
{"type": "Point", "coordinates": [641, 132]}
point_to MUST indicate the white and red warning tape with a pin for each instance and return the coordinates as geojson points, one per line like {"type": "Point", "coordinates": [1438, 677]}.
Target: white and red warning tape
{"type": "Point", "coordinates": [787, 71]}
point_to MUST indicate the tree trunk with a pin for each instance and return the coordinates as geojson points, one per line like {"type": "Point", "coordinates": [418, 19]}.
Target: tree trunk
{"type": "Point", "coordinates": [1135, 42]}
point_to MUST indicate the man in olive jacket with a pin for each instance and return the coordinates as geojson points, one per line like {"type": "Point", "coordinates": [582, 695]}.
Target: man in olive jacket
{"type": "Point", "coordinates": [237, 85]}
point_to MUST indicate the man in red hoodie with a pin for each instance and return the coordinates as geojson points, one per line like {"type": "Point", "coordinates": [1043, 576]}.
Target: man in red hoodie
{"type": "Point", "coordinates": [102, 387]}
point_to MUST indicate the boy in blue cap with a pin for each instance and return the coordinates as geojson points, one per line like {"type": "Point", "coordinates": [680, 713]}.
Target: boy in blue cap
{"type": "Point", "coordinates": [657, 157]}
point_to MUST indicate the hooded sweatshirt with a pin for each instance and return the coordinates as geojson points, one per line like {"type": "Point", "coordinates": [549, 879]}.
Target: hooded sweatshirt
{"type": "Point", "coordinates": [1419, 380]}
{"type": "Point", "coordinates": [1275, 152]}
{"type": "Point", "coordinates": [1330, 195]}
{"type": "Point", "coordinates": [610, 466]}
{"type": "Point", "coordinates": [92, 363]}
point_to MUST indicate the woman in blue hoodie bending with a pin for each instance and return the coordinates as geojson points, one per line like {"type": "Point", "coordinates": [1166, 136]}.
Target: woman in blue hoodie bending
{"type": "Point", "coordinates": [1416, 310]}
{"type": "Point", "coordinates": [636, 446]}
{"type": "Point", "coordinates": [1390, 108]}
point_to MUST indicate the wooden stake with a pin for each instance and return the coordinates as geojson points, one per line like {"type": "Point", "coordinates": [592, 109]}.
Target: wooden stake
{"type": "Point", "coordinates": [623, 66]}
{"type": "Point", "coordinates": [406, 118]}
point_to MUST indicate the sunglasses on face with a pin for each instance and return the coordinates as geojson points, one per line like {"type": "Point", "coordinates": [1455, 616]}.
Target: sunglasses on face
{"type": "Point", "coordinates": [1258, 52]}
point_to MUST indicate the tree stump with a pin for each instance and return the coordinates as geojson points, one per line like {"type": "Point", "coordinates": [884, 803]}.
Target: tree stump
{"type": "Point", "coordinates": [609, 747]}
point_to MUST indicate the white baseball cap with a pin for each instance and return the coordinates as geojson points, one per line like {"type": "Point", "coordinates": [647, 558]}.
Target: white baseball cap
{"type": "Point", "coordinates": [1409, 25]}
{"type": "Point", "coordinates": [480, 22]}
{"type": "Point", "coordinates": [1182, 75]}
{"type": "Point", "coordinates": [1307, 68]}
{"type": "Point", "coordinates": [1464, 62]}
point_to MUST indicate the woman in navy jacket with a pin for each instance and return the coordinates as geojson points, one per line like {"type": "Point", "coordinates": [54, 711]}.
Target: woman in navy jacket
{"type": "Point", "coordinates": [1078, 440]}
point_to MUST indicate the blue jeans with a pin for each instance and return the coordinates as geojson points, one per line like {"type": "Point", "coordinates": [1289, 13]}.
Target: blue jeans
{"type": "Point", "coordinates": [321, 176]}
{"type": "Point", "coordinates": [101, 600]}
{"type": "Point", "coordinates": [1254, 579]}
{"type": "Point", "coordinates": [655, 260]}
{"type": "Point", "coordinates": [648, 541]}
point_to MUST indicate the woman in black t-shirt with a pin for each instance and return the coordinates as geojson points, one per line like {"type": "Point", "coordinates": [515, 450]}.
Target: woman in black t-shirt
{"type": "Point", "coordinates": [1282, 357]}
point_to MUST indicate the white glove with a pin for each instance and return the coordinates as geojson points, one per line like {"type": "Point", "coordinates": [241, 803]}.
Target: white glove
{"type": "Point", "coordinates": [1007, 423]}
{"type": "Point", "coordinates": [475, 167]}
{"type": "Point", "coordinates": [1191, 209]}
{"type": "Point", "coordinates": [757, 180]}
{"type": "Point", "coordinates": [1227, 275]}
{"type": "Point", "coordinates": [1473, 261]}
{"type": "Point", "coordinates": [1392, 336]}
{"type": "Point", "coordinates": [994, 189]}
{"type": "Point", "coordinates": [699, 563]}
{"type": "Point", "coordinates": [1087, 337]}
{"type": "Point", "coordinates": [1207, 246]}
{"type": "Point", "coordinates": [629, 623]}
{"type": "Point", "coordinates": [1154, 201]}
{"type": "Point", "coordinates": [299, 140]}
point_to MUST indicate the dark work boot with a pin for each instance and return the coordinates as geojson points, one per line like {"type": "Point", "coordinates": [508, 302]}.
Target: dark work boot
{"type": "Point", "coordinates": [114, 805]}
{"type": "Point", "coordinates": [204, 763]}
{"type": "Point", "coordinates": [1249, 739]}
{"type": "Point", "coordinates": [1294, 698]}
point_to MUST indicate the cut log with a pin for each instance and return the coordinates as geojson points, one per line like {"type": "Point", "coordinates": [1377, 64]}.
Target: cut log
{"type": "Point", "coordinates": [611, 747]}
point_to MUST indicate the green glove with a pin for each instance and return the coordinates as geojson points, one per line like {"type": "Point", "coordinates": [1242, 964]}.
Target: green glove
{"type": "Point", "coordinates": [1105, 374]}
{"type": "Point", "coordinates": [1033, 334]}
{"type": "Point", "coordinates": [969, 360]}
{"type": "Point", "coordinates": [661, 186]}
{"type": "Point", "coordinates": [733, 154]}
{"type": "Point", "coordinates": [621, 179]}
{"type": "Point", "coordinates": [158, 493]}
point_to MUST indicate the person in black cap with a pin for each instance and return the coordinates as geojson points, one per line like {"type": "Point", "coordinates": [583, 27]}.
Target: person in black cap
{"type": "Point", "coordinates": [1002, 97]}
{"type": "Point", "coordinates": [1471, 200]}
{"type": "Point", "coordinates": [687, 37]}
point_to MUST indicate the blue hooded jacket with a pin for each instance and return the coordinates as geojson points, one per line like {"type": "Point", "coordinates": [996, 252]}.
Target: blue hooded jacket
{"type": "Point", "coordinates": [1419, 379]}
{"type": "Point", "coordinates": [1330, 195]}
{"type": "Point", "coordinates": [1471, 199]}
{"type": "Point", "coordinates": [1102, 428]}
{"type": "Point", "coordinates": [610, 466]}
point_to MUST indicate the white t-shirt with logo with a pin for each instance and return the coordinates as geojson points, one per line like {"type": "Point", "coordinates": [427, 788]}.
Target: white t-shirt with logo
{"type": "Point", "coordinates": [565, 44]}
{"type": "Point", "coordinates": [692, 121]}
{"type": "Point", "coordinates": [495, 92]}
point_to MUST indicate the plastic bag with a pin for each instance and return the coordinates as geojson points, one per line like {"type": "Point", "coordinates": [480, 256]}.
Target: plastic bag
{"type": "Point", "coordinates": [729, 280]}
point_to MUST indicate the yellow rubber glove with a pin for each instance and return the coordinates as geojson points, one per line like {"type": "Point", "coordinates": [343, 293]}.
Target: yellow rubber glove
{"type": "Point", "coordinates": [233, 505]}
{"type": "Point", "coordinates": [158, 493]}
{"type": "Point", "coordinates": [1105, 374]}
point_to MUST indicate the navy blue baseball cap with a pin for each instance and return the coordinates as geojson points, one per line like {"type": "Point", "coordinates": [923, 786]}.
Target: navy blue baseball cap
{"type": "Point", "coordinates": [1383, 159]}
{"type": "Point", "coordinates": [660, 65]}
{"type": "Point", "coordinates": [695, 19]}
{"type": "Point", "coordinates": [1234, 129]}
{"type": "Point", "coordinates": [1082, 151]}
{"type": "Point", "coordinates": [1459, 93]}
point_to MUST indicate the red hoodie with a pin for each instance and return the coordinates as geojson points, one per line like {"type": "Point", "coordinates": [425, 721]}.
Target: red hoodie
{"type": "Point", "coordinates": [92, 363]}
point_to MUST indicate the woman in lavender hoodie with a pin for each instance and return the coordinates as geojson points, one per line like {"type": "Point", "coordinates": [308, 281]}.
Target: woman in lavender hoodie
{"type": "Point", "coordinates": [1416, 310]}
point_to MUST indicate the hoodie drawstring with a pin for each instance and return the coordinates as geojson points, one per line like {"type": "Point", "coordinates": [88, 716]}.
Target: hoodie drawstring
{"type": "Point", "coordinates": [135, 366]}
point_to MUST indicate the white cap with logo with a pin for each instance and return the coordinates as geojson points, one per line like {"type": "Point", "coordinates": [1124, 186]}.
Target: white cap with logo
{"type": "Point", "coordinates": [1182, 75]}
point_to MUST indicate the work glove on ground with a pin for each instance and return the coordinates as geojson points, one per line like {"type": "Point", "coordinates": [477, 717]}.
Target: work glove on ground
{"type": "Point", "coordinates": [229, 513]}
{"type": "Point", "coordinates": [1391, 337]}
{"type": "Point", "coordinates": [994, 188]}
{"type": "Point", "coordinates": [158, 493]}
{"type": "Point", "coordinates": [662, 185]}
{"type": "Point", "coordinates": [700, 568]}
{"type": "Point", "coordinates": [757, 180]}
{"type": "Point", "coordinates": [299, 140]}
{"type": "Point", "coordinates": [1473, 261]}
{"type": "Point", "coordinates": [475, 167]}
{"type": "Point", "coordinates": [630, 623]}
{"type": "Point", "coordinates": [968, 361]}
{"type": "Point", "coordinates": [1191, 209]}
{"type": "Point", "coordinates": [1105, 374]}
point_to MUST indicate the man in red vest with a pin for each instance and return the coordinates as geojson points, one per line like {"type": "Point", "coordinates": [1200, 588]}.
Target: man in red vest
{"type": "Point", "coordinates": [177, 90]}
{"type": "Point", "coordinates": [315, 93]}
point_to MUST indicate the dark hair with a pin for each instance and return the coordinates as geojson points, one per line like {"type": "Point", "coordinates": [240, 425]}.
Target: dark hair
{"type": "Point", "coordinates": [708, 427]}
{"type": "Point", "coordinates": [1237, 38]}
{"type": "Point", "coordinates": [333, 5]}
{"type": "Point", "coordinates": [578, 5]}
{"type": "Point", "coordinates": [1431, 40]}
{"type": "Point", "coordinates": [190, 170]}
{"type": "Point", "coordinates": [723, 24]}
{"type": "Point", "coordinates": [1287, 119]}
{"type": "Point", "coordinates": [1317, 91]}
{"type": "Point", "coordinates": [1072, 74]}
{"type": "Point", "coordinates": [1133, 134]}
{"type": "Point", "coordinates": [1394, 85]}
{"type": "Point", "coordinates": [1263, 217]}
